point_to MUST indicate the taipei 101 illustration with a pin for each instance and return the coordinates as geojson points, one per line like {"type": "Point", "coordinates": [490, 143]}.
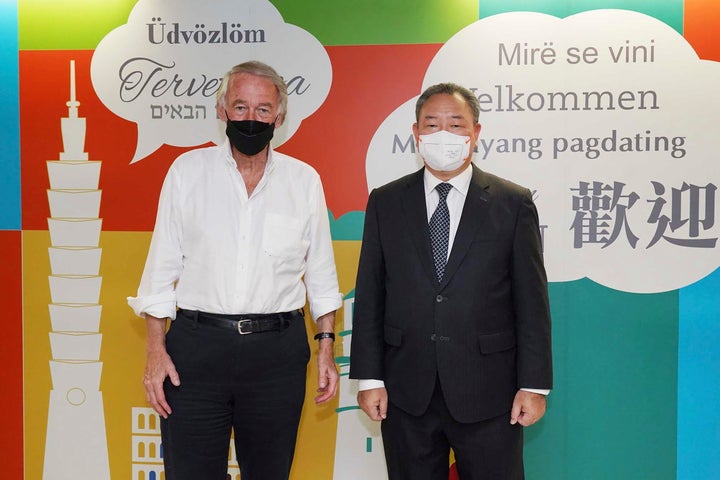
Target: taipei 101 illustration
{"type": "Point", "coordinates": [76, 442]}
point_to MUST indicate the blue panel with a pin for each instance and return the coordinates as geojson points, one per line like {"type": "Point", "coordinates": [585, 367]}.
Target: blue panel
{"type": "Point", "coordinates": [9, 119]}
{"type": "Point", "coordinates": [698, 385]}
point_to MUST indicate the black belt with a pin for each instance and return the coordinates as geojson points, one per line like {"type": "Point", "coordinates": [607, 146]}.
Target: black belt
{"type": "Point", "coordinates": [248, 323]}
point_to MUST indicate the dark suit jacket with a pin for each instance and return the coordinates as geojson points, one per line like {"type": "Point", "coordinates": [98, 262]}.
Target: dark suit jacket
{"type": "Point", "coordinates": [485, 330]}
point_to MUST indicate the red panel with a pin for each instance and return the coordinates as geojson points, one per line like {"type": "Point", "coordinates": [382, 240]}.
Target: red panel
{"type": "Point", "coordinates": [11, 387]}
{"type": "Point", "coordinates": [129, 192]}
{"type": "Point", "coordinates": [369, 82]}
{"type": "Point", "coordinates": [702, 22]}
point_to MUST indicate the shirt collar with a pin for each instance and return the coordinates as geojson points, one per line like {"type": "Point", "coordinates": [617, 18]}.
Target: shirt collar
{"type": "Point", "coordinates": [269, 166]}
{"type": "Point", "coordinates": [460, 182]}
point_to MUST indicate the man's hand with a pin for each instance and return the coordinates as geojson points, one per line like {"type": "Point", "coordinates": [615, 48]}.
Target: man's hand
{"type": "Point", "coordinates": [327, 372]}
{"type": "Point", "coordinates": [158, 366]}
{"type": "Point", "coordinates": [528, 408]}
{"type": "Point", "coordinates": [374, 403]}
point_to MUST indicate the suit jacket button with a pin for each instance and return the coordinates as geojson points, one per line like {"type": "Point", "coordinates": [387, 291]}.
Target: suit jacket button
{"type": "Point", "coordinates": [439, 298]}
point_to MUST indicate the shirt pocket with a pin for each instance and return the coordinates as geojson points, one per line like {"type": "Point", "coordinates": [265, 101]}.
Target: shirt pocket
{"type": "Point", "coordinates": [283, 237]}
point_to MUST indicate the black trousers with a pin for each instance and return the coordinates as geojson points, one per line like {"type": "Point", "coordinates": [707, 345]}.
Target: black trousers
{"type": "Point", "coordinates": [253, 385]}
{"type": "Point", "coordinates": [418, 447]}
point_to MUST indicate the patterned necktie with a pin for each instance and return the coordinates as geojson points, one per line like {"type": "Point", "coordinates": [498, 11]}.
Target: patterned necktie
{"type": "Point", "coordinates": [440, 230]}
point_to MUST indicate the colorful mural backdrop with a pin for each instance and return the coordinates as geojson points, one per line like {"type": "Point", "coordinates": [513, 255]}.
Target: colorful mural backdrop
{"type": "Point", "coordinates": [606, 109]}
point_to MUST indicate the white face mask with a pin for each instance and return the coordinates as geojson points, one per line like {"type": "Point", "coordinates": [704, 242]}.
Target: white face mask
{"type": "Point", "coordinates": [444, 151]}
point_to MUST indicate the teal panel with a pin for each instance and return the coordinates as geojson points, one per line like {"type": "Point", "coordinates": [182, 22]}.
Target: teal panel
{"type": "Point", "coordinates": [667, 11]}
{"type": "Point", "coordinates": [379, 22]}
{"type": "Point", "coordinates": [9, 119]}
{"type": "Point", "coordinates": [612, 413]}
{"type": "Point", "coordinates": [698, 434]}
{"type": "Point", "coordinates": [348, 226]}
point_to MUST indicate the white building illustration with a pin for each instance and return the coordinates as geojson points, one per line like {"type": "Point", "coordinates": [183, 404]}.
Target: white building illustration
{"type": "Point", "coordinates": [76, 443]}
{"type": "Point", "coordinates": [358, 443]}
{"type": "Point", "coordinates": [147, 454]}
{"type": "Point", "coordinates": [146, 445]}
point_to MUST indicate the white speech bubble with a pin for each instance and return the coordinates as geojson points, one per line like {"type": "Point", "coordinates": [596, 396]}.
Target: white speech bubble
{"type": "Point", "coordinates": [659, 88]}
{"type": "Point", "coordinates": [162, 69]}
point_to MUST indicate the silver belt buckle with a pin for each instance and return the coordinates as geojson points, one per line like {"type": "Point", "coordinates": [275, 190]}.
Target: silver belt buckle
{"type": "Point", "coordinates": [240, 326]}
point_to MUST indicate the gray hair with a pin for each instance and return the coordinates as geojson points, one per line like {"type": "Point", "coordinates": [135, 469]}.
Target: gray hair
{"type": "Point", "coordinates": [449, 89]}
{"type": "Point", "coordinates": [259, 69]}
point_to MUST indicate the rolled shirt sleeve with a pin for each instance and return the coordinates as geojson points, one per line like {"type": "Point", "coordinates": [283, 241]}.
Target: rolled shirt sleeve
{"type": "Point", "coordinates": [321, 275]}
{"type": "Point", "coordinates": [156, 293]}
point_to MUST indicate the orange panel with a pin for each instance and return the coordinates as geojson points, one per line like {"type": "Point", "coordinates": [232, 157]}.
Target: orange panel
{"type": "Point", "coordinates": [702, 22]}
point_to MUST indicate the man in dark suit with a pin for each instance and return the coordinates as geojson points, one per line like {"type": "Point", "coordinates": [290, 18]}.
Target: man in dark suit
{"type": "Point", "coordinates": [451, 326]}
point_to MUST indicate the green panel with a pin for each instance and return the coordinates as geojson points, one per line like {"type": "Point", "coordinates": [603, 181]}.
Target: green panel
{"type": "Point", "coordinates": [81, 24]}
{"type": "Point", "coordinates": [70, 24]}
{"type": "Point", "coordinates": [667, 11]}
{"type": "Point", "coordinates": [612, 413]}
{"type": "Point", "coordinates": [379, 22]}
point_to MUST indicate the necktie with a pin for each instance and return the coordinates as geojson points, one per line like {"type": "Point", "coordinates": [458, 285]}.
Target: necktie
{"type": "Point", "coordinates": [440, 230]}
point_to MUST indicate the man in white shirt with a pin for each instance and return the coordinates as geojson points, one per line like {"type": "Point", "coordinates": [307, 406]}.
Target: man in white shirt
{"type": "Point", "coordinates": [241, 239]}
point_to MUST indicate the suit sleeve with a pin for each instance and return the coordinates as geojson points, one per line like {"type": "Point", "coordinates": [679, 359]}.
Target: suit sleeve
{"type": "Point", "coordinates": [367, 346]}
{"type": "Point", "coordinates": [530, 301]}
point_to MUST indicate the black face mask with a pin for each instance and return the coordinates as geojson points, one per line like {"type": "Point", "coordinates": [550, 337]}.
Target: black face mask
{"type": "Point", "coordinates": [249, 136]}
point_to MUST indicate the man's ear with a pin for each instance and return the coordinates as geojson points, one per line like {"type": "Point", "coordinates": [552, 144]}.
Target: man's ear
{"type": "Point", "coordinates": [221, 113]}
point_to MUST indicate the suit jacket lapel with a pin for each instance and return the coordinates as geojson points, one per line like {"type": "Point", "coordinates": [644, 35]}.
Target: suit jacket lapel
{"type": "Point", "coordinates": [417, 222]}
{"type": "Point", "coordinates": [473, 216]}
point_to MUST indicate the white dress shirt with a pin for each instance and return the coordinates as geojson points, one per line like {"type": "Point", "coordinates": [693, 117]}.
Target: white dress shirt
{"type": "Point", "coordinates": [216, 250]}
{"type": "Point", "coordinates": [455, 199]}
{"type": "Point", "coordinates": [455, 202]}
